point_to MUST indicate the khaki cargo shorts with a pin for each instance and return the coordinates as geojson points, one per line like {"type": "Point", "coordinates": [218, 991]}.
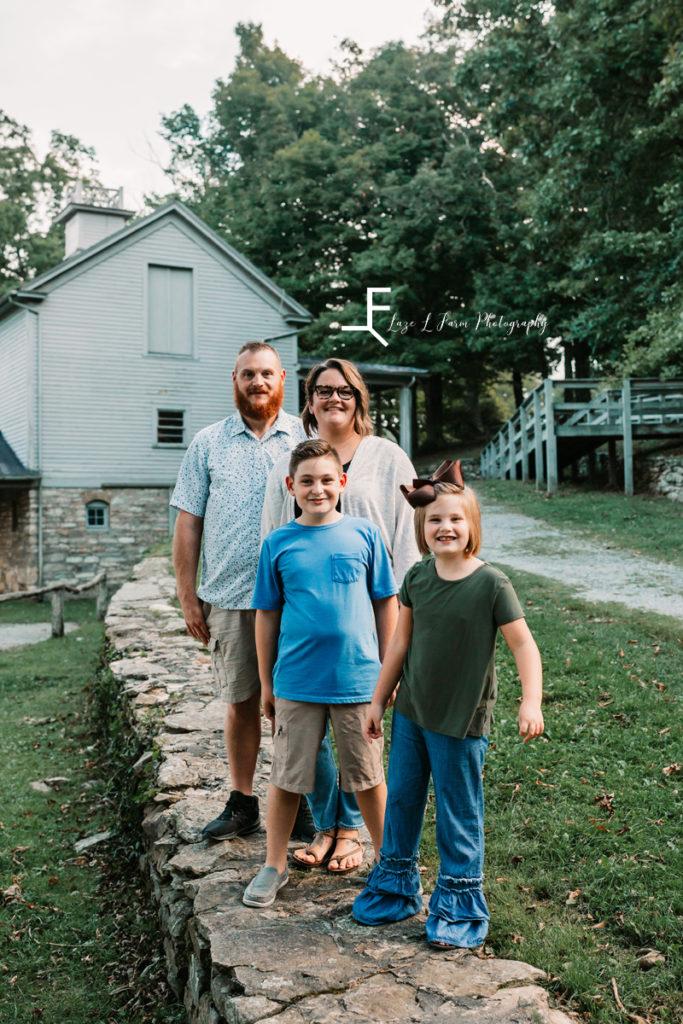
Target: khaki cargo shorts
{"type": "Point", "coordinates": [299, 731]}
{"type": "Point", "coordinates": [233, 653]}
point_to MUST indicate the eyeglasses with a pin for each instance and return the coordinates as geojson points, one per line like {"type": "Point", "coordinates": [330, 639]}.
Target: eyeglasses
{"type": "Point", "coordinates": [345, 392]}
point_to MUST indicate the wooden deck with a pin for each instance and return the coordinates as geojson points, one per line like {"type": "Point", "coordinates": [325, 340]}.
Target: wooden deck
{"type": "Point", "coordinates": [561, 420]}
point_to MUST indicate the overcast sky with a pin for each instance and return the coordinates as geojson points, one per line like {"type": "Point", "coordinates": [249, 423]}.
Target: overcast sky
{"type": "Point", "coordinates": [105, 70]}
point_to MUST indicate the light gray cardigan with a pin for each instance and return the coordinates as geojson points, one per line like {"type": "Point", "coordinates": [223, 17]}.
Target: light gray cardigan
{"type": "Point", "coordinates": [372, 491]}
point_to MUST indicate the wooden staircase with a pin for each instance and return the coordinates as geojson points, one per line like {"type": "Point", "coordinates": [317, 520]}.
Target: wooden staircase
{"type": "Point", "coordinates": [561, 420]}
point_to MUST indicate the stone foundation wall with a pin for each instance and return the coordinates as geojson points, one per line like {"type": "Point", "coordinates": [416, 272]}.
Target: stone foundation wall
{"type": "Point", "coordinates": [18, 540]}
{"type": "Point", "coordinates": [662, 474]}
{"type": "Point", "coordinates": [138, 518]}
{"type": "Point", "coordinates": [304, 960]}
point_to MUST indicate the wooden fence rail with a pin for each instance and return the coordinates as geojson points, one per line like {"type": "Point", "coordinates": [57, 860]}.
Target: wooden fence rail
{"type": "Point", "coordinates": [561, 420]}
{"type": "Point", "coordinates": [58, 591]}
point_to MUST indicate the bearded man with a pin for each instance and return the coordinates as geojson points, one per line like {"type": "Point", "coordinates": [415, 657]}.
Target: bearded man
{"type": "Point", "coordinates": [219, 496]}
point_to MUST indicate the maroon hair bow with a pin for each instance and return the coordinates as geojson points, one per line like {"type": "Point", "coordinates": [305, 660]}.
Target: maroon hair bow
{"type": "Point", "coordinates": [423, 493]}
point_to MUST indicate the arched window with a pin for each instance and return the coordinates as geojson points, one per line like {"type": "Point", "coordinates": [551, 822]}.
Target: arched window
{"type": "Point", "coordinates": [97, 515]}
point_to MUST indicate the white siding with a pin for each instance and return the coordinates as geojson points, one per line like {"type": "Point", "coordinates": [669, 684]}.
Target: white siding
{"type": "Point", "coordinates": [101, 388]}
{"type": "Point", "coordinates": [85, 229]}
{"type": "Point", "coordinates": [16, 387]}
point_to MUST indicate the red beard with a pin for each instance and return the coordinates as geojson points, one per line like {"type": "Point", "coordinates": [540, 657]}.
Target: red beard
{"type": "Point", "coordinates": [251, 410]}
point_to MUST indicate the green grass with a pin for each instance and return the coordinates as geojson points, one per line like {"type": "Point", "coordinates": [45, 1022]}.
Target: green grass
{"type": "Point", "coordinates": [645, 524]}
{"type": "Point", "coordinates": [582, 865]}
{"type": "Point", "coordinates": [74, 932]}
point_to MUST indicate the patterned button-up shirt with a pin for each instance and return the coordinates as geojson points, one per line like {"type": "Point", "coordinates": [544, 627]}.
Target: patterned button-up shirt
{"type": "Point", "coordinates": [222, 479]}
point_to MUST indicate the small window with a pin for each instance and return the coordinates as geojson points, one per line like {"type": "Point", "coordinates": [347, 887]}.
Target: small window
{"type": "Point", "coordinates": [97, 515]}
{"type": "Point", "coordinates": [170, 426]}
{"type": "Point", "coordinates": [170, 311]}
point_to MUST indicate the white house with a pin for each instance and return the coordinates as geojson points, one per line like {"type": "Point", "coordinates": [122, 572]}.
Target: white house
{"type": "Point", "coordinates": [109, 364]}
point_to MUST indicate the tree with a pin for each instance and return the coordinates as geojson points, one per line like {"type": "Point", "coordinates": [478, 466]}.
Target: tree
{"type": "Point", "coordinates": [584, 99]}
{"type": "Point", "coordinates": [335, 184]}
{"type": "Point", "coordinates": [32, 191]}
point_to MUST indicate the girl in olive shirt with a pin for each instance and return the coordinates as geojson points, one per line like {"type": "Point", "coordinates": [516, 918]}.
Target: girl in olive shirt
{"type": "Point", "coordinates": [452, 606]}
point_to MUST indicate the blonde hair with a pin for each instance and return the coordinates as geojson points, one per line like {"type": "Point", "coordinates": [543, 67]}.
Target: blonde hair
{"type": "Point", "coordinates": [472, 512]}
{"type": "Point", "coordinates": [362, 422]}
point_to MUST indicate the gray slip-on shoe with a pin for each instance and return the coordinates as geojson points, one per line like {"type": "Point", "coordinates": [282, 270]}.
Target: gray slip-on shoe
{"type": "Point", "coordinates": [263, 889]}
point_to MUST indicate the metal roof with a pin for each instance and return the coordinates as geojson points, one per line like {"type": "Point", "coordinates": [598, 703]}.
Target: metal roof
{"type": "Point", "coordinates": [12, 469]}
{"type": "Point", "coordinates": [373, 373]}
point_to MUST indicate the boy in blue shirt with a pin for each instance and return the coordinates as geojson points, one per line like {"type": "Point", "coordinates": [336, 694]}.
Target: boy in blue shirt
{"type": "Point", "coordinates": [319, 580]}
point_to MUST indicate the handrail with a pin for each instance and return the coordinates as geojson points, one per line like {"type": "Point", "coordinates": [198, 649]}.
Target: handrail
{"type": "Point", "coordinates": [58, 590]}
{"type": "Point", "coordinates": [615, 410]}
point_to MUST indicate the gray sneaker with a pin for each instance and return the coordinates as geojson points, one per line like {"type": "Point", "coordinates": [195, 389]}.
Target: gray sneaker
{"type": "Point", "coordinates": [263, 889]}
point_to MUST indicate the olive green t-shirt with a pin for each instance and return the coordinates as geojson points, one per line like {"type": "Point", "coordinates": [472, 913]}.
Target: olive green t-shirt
{"type": "Point", "coordinates": [449, 678]}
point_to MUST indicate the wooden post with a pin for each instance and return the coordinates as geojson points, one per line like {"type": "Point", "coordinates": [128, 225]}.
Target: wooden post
{"type": "Point", "coordinates": [512, 468]}
{"type": "Point", "coordinates": [538, 441]}
{"type": "Point", "coordinates": [550, 436]}
{"type": "Point", "coordinates": [101, 598]}
{"type": "Point", "coordinates": [525, 444]}
{"type": "Point", "coordinates": [406, 421]}
{"type": "Point", "coordinates": [612, 462]}
{"type": "Point", "coordinates": [57, 601]}
{"type": "Point", "coordinates": [628, 436]}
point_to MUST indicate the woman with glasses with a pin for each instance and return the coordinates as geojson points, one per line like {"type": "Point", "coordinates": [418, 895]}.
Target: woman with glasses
{"type": "Point", "coordinates": [336, 409]}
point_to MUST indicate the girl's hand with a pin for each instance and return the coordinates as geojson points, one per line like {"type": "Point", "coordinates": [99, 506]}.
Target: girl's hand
{"type": "Point", "coordinates": [530, 720]}
{"type": "Point", "coordinates": [373, 723]}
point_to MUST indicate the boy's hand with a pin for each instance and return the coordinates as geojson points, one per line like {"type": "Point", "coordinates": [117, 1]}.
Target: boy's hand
{"type": "Point", "coordinates": [530, 720]}
{"type": "Point", "coordinates": [268, 704]}
{"type": "Point", "coordinates": [373, 723]}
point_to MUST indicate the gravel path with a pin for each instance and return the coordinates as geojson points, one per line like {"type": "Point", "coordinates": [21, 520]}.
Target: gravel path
{"type": "Point", "coordinates": [596, 573]}
{"type": "Point", "coordinates": [19, 634]}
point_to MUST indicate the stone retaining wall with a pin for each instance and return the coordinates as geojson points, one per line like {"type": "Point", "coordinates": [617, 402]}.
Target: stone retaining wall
{"type": "Point", "coordinates": [661, 474]}
{"type": "Point", "coordinates": [303, 960]}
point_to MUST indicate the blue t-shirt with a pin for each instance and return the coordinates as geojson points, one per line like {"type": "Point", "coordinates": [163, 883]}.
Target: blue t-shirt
{"type": "Point", "coordinates": [324, 578]}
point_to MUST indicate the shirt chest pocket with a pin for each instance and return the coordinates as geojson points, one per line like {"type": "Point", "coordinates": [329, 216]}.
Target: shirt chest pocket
{"type": "Point", "coordinates": [346, 568]}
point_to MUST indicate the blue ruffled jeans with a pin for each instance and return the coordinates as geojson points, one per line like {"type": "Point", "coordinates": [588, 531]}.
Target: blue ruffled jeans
{"type": "Point", "coordinates": [458, 915]}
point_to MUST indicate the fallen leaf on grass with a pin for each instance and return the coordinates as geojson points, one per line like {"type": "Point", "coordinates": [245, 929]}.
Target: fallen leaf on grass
{"type": "Point", "coordinates": [671, 769]}
{"type": "Point", "coordinates": [647, 958]}
{"type": "Point", "coordinates": [606, 801]}
{"type": "Point", "coordinates": [13, 892]}
{"type": "Point", "coordinates": [572, 897]}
